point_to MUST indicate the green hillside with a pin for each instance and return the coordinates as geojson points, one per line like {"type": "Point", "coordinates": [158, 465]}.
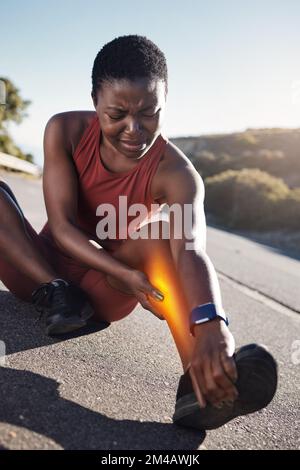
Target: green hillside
{"type": "Point", "coordinates": [252, 178]}
{"type": "Point", "coordinates": [276, 151]}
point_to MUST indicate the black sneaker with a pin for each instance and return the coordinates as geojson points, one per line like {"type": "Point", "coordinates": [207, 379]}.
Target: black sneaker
{"type": "Point", "coordinates": [65, 305]}
{"type": "Point", "coordinates": [256, 384]}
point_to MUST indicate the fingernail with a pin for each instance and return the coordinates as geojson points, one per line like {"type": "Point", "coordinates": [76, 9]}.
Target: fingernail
{"type": "Point", "coordinates": [158, 296]}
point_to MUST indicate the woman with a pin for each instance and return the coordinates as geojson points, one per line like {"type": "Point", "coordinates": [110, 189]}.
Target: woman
{"type": "Point", "coordinates": [71, 272]}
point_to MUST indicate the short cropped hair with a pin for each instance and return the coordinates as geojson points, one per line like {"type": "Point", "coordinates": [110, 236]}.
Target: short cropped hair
{"type": "Point", "coordinates": [129, 57]}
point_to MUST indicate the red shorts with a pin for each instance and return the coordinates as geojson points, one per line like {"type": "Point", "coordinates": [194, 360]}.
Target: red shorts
{"type": "Point", "coordinates": [109, 304]}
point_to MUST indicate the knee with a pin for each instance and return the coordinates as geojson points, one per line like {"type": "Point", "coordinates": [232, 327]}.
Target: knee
{"type": "Point", "coordinates": [109, 303]}
{"type": "Point", "coordinates": [8, 203]}
{"type": "Point", "coordinates": [149, 240]}
{"type": "Point", "coordinates": [5, 188]}
{"type": "Point", "coordinates": [149, 237]}
{"type": "Point", "coordinates": [157, 230]}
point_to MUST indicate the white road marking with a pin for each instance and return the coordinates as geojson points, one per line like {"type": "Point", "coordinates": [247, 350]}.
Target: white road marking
{"type": "Point", "coordinates": [263, 298]}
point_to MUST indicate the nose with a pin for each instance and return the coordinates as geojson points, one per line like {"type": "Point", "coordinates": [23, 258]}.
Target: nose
{"type": "Point", "coordinates": [133, 126]}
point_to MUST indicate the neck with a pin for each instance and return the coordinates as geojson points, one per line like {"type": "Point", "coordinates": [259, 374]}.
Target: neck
{"type": "Point", "coordinates": [113, 160]}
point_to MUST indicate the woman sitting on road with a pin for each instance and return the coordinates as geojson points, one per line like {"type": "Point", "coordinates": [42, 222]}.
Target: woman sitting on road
{"type": "Point", "coordinates": [94, 162]}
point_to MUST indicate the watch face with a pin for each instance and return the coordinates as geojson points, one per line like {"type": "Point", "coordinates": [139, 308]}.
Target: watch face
{"type": "Point", "coordinates": [204, 319]}
{"type": "Point", "coordinates": [205, 313]}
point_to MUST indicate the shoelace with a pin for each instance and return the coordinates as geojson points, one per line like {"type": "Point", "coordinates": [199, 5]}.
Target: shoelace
{"type": "Point", "coordinates": [49, 291]}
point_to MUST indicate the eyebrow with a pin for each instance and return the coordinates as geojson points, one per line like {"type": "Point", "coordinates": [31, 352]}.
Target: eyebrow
{"type": "Point", "coordinates": [117, 108]}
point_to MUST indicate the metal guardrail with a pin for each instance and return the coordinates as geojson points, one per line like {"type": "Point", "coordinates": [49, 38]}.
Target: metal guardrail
{"type": "Point", "coordinates": [8, 161]}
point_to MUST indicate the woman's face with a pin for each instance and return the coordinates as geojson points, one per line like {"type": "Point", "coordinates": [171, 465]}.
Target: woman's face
{"type": "Point", "coordinates": [130, 114]}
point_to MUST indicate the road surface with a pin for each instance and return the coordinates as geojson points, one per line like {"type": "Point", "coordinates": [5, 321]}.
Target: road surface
{"type": "Point", "coordinates": [115, 388]}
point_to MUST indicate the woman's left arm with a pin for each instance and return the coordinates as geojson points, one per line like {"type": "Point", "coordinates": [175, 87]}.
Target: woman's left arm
{"type": "Point", "coordinates": [212, 368]}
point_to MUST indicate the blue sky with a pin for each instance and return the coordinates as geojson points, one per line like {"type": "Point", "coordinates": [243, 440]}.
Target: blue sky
{"type": "Point", "coordinates": [232, 64]}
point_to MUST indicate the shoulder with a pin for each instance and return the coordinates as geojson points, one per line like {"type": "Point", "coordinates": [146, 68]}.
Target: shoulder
{"type": "Point", "coordinates": [175, 172]}
{"type": "Point", "coordinates": [69, 126]}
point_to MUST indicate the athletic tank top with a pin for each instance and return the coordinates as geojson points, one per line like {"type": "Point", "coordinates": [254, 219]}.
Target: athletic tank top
{"type": "Point", "coordinates": [98, 186]}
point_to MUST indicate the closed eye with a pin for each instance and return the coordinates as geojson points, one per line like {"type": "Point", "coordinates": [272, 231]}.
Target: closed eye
{"type": "Point", "coordinates": [115, 118]}
{"type": "Point", "coordinates": [152, 115]}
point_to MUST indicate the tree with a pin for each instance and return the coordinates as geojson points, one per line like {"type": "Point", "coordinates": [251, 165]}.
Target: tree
{"type": "Point", "coordinates": [14, 109]}
{"type": "Point", "coordinates": [15, 106]}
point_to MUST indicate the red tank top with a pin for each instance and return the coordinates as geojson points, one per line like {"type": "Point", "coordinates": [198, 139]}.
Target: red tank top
{"type": "Point", "coordinates": [97, 185]}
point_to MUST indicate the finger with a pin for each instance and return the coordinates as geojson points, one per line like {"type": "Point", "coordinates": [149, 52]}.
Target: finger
{"type": "Point", "coordinates": [229, 366]}
{"type": "Point", "coordinates": [196, 387]}
{"type": "Point", "coordinates": [142, 298]}
{"type": "Point", "coordinates": [200, 380]}
{"type": "Point", "coordinates": [215, 394]}
{"type": "Point", "coordinates": [157, 295]}
{"type": "Point", "coordinates": [147, 305]}
{"type": "Point", "coordinates": [160, 317]}
{"type": "Point", "coordinates": [226, 388]}
{"type": "Point", "coordinates": [154, 292]}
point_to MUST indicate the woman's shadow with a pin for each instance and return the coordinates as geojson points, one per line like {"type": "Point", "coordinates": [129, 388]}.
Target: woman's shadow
{"type": "Point", "coordinates": [32, 401]}
{"type": "Point", "coordinates": [21, 327]}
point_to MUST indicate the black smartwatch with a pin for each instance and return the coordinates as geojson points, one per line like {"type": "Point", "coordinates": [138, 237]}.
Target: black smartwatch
{"type": "Point", "coordinates": [204, 313]}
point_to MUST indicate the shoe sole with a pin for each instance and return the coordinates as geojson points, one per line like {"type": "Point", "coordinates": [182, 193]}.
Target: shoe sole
{"type": "Point", "coordinates": [70, 324]}
{"type": "Point", "coordinates": [256, 384]}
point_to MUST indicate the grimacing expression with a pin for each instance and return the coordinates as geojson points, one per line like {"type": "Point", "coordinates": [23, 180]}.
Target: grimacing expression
{"type": "Point", "coordinates": [131, 114]}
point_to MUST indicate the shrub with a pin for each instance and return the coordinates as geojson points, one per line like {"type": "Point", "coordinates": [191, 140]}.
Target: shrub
{"type": "Point", "coordinates": [252, 199]}
{"type": "Point", "coordinates": [289, 210]}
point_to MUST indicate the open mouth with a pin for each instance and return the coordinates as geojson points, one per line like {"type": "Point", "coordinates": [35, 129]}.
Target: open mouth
{"type": "Point", "coordinates": [133, 146]}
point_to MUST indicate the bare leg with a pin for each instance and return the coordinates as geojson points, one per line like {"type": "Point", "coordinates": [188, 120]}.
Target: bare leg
{"type": "Point", "coordinates": [154, 258]}
{"type": "Point", "coordinates": [16, 246]}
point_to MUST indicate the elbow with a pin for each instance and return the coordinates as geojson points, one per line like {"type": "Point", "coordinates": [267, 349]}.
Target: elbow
{"type": "Point", "coordinates": [188, 252]}
{"type": "Point", "coordinates": [60, 242]}
{"type": "Point", "coordinates": [60, 234]}
{"type": "Point", "coordinates": [176, 250]}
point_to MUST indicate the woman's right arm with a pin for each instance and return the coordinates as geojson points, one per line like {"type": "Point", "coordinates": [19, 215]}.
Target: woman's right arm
{"type": "Point", "coordinates": [60, 194]}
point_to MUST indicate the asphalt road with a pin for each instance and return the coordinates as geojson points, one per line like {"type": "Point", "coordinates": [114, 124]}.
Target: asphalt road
{"type": "Point", "coordinates": [115, 388]}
